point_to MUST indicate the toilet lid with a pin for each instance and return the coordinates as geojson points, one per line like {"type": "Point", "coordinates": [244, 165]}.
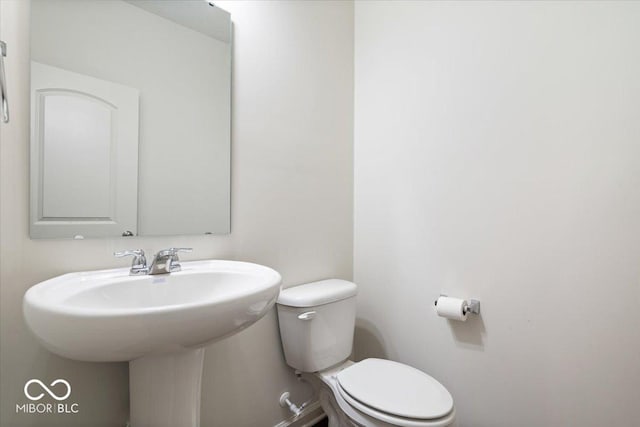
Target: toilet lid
{"type": "Point", "coordinates": [396, 389]}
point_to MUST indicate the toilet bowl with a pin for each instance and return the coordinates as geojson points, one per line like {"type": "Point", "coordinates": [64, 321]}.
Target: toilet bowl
{"type": "Point", "coordinates": [347, 410]}
{"type": "Point", "coordinates": [317, 322]}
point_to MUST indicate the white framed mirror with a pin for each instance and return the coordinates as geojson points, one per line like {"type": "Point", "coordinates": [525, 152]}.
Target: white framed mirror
{"type": "Point", "coordinates": [131, 118]}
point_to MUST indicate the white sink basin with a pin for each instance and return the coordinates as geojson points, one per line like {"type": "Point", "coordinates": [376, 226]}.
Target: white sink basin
{"type": "Point", "coordinates": [139, 315]}
{"type": "Point", "coordinates": [159, 322]}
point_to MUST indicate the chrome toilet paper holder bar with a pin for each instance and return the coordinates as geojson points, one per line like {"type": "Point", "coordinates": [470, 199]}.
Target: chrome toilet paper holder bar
{"type": "Point", "coordinates": [472, 306]}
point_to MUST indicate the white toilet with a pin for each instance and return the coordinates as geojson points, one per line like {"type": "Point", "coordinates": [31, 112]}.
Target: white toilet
{"type": "Point", "coordinates": [317, 322]}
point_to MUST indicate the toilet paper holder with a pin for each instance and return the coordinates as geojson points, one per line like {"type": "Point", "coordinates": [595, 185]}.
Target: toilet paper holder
{"type": "Point", "coordinates": [472, 306]}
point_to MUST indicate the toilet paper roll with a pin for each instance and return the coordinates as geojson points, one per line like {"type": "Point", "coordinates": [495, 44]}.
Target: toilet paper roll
{"type": "Point", "coordinates": [451, 308]}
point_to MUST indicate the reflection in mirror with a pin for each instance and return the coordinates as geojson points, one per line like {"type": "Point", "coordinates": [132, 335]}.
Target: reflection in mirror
{"type": "Point", "coordinates": [130, 118]}
{"type": "Point", "coordinates": [84, 151]}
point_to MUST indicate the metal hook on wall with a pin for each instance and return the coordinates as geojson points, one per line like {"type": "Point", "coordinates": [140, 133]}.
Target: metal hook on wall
{"type": "Point", "coordinates": [3, 84]}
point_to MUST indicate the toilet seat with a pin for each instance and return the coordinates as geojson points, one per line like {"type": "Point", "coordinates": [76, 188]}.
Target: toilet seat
{"type": "Point", "coordinates": [395, 393]}
{"type": "Point", "coordinates": [395, 420]}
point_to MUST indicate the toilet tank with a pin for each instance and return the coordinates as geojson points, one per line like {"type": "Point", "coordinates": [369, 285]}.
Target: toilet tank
{"type": "Point", "coordinates": [317, 321]}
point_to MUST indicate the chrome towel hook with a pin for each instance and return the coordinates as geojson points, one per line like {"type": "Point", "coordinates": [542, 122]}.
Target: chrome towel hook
{"type": "Point", "coordinates": [3, 84]}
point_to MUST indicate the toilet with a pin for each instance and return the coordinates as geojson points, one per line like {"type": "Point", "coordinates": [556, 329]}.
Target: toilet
{"type": "Point", "coordinates": [317, 322]}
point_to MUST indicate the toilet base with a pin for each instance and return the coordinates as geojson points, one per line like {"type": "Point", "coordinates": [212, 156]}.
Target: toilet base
{"type": "Point", "coordinates": [336, 418]}
{"type": "Point", "coordinates": [332, 403]}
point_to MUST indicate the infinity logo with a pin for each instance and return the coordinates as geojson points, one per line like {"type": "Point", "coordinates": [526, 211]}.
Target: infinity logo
{"type": "Point", "coordinates": [51, 393]}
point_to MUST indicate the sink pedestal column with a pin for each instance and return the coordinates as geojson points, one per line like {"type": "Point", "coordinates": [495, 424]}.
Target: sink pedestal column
{"type": "Point", "coordinates": [164, 390]}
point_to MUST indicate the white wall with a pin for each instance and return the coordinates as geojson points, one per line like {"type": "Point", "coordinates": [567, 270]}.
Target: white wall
{"type": "Point", "coordinates": [291, 210]}
{"type": "Point", "coordinates": [497, 156]}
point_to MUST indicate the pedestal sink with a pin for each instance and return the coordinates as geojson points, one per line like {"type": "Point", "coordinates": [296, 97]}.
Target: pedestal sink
{"type": "Point", "coordinates": [158, 324]}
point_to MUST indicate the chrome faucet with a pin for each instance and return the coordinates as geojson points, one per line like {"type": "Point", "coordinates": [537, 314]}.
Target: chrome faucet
{"type": "Point", "coordinates": [139, 264]}
{"type": "Point", "coordinates": [164, 262]}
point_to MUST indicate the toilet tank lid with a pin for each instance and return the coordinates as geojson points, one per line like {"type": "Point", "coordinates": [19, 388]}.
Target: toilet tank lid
{"type": "Point", "coordinates": [317, 293]}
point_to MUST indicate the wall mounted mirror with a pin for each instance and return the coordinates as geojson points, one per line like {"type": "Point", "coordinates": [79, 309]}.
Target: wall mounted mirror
{"type": "Point", "coordinates": [130, 118]}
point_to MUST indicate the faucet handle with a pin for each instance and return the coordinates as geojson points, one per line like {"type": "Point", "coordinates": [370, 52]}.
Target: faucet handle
{"type": "Point", "coordinates": [173, 252]}
{"type": "Point", "coordinates": [139, 263]}
{"type": "Point", "coordinates": [174, 265]}
{"type": "Point", "coordinates": [176, 250]}
{"type": "Point", "coordinates": [129, 252]}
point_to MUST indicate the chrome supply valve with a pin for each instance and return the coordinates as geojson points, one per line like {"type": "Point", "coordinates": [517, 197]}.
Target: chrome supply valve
{"type": "Point", "coordinates": [285, 402]}
{"type": "Point", "coordinates": [139, 263]}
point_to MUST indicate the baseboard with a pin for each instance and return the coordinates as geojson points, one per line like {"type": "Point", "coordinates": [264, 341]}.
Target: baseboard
{"type": "Point", "coordinates": [310, 415]}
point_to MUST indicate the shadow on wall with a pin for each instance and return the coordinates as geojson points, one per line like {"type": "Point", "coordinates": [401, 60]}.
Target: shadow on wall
{"type": "Point", "coordinates": [469, 334]}
{"type": "Point", "coordinates": [367, 342]}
